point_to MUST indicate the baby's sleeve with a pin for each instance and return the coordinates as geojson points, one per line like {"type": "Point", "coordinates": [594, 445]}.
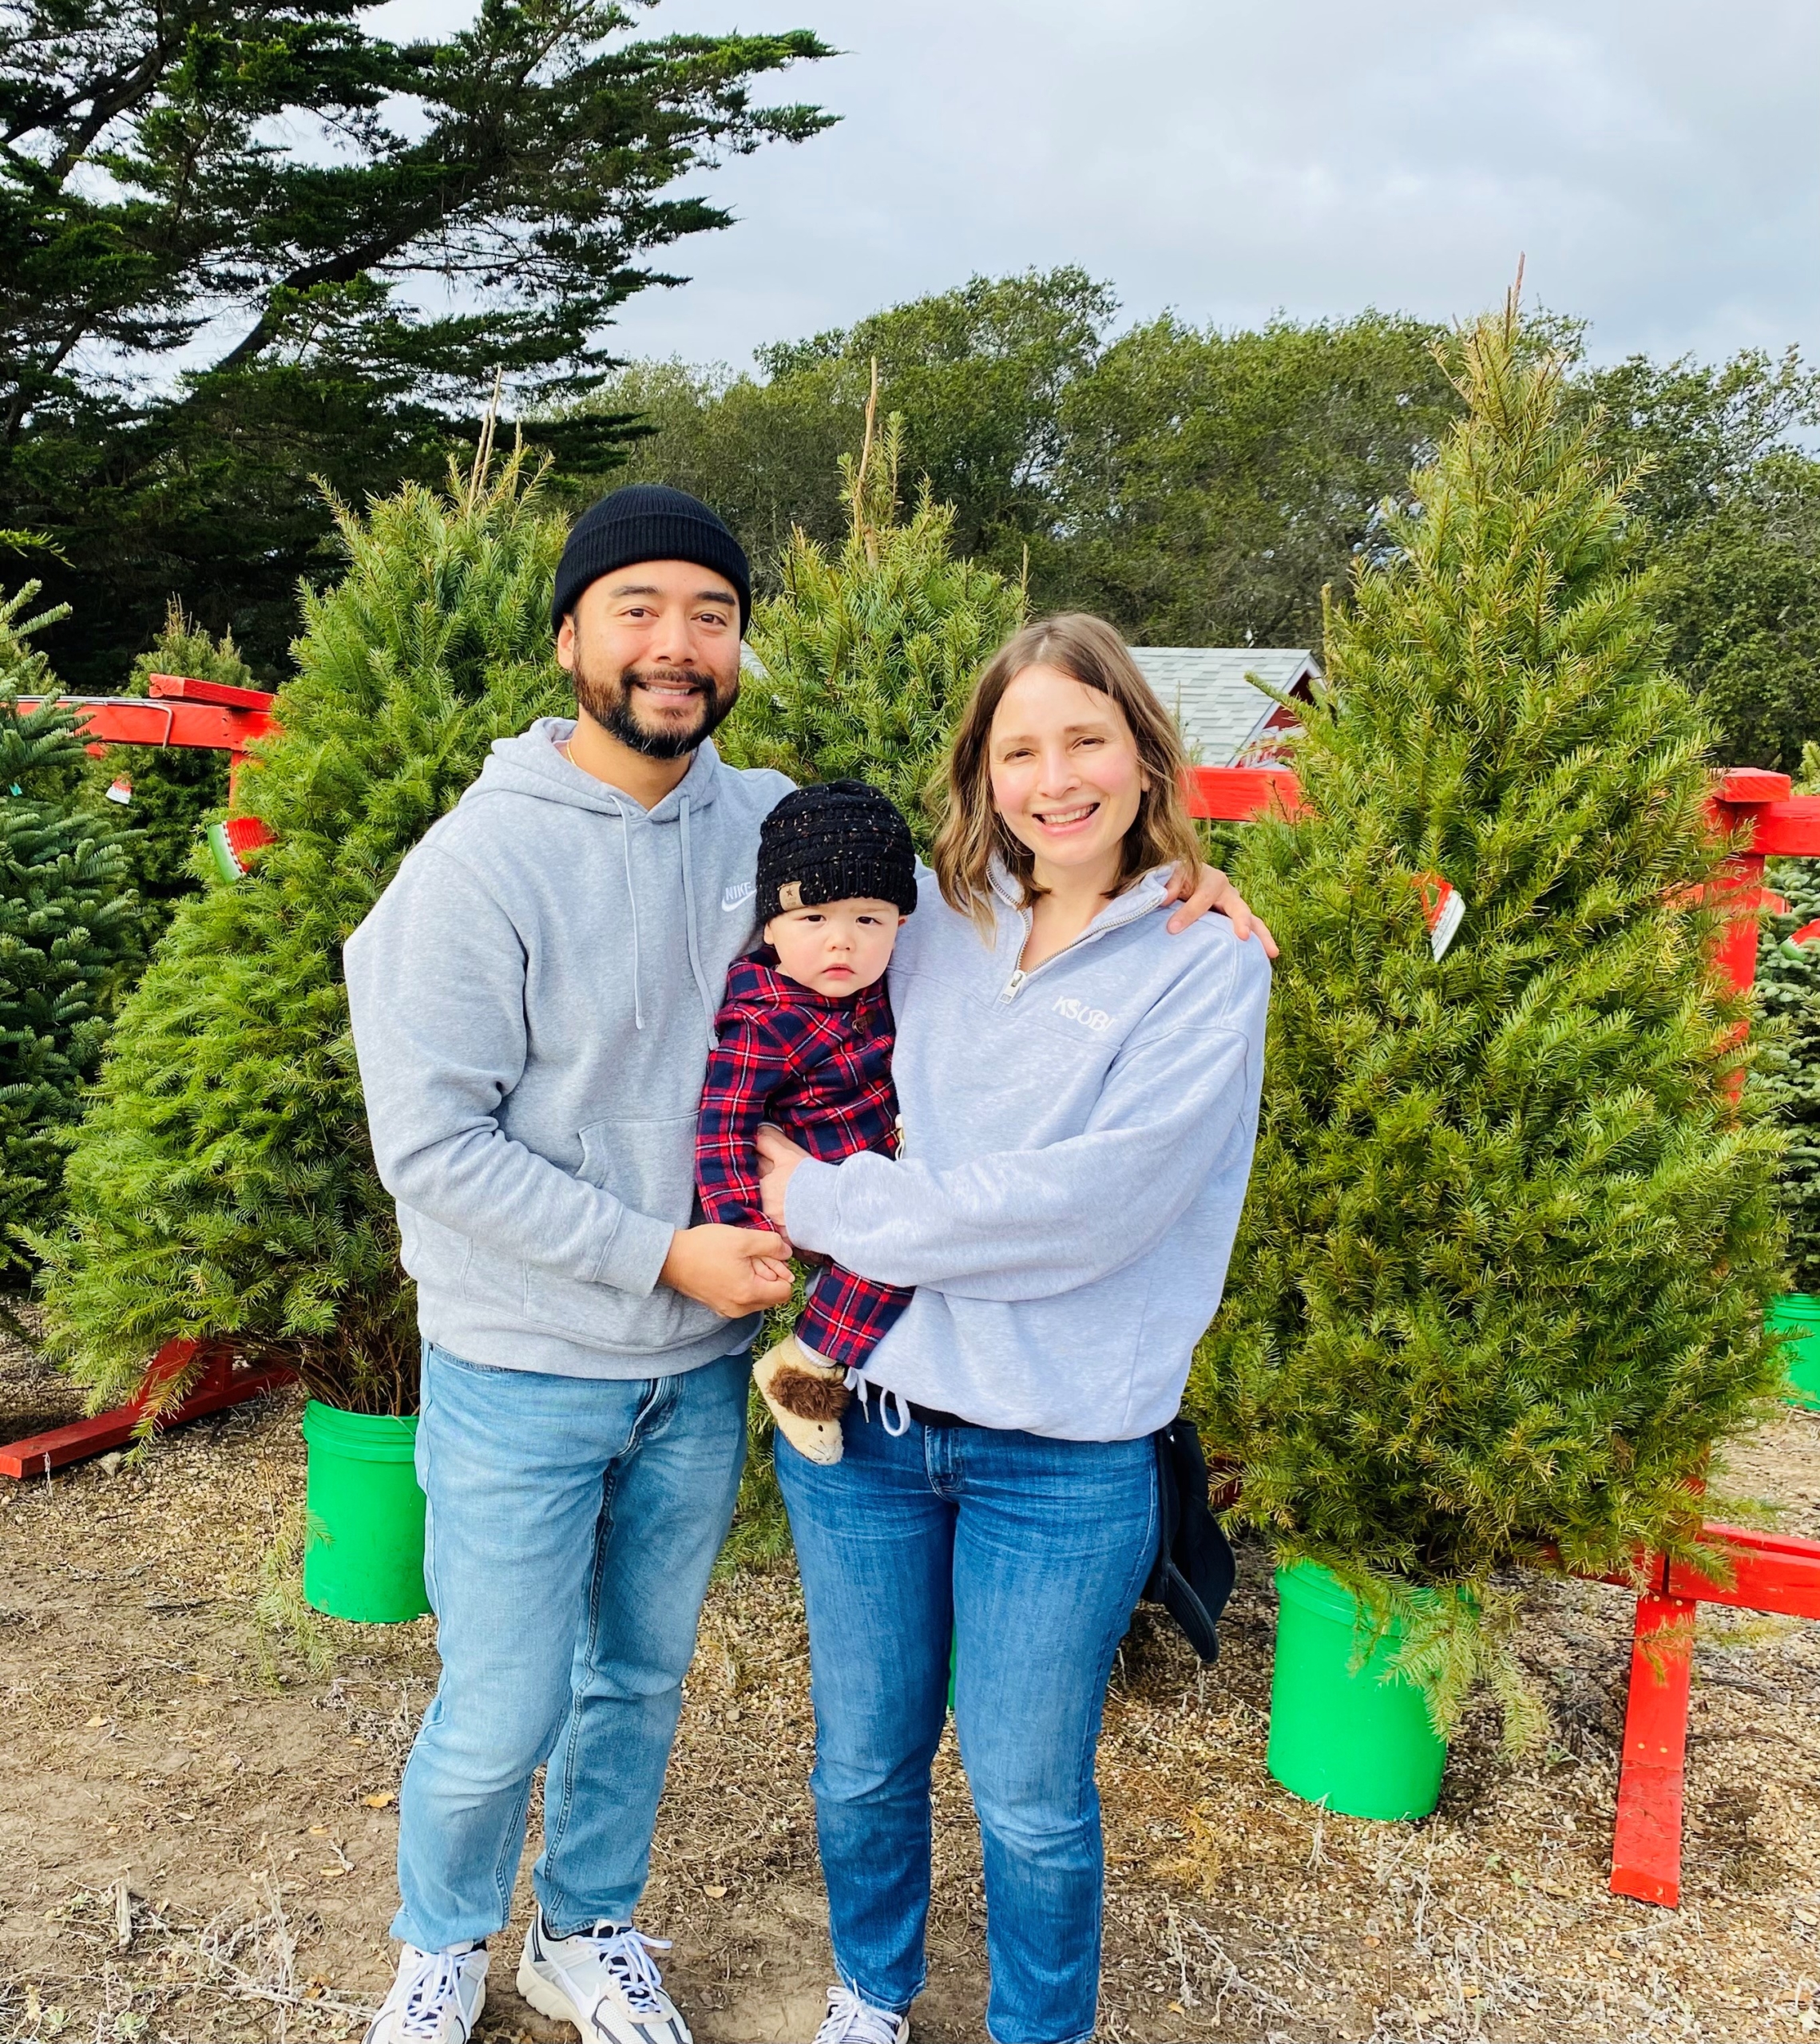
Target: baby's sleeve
{"type": "Point", "coordinates": [746, 1067]}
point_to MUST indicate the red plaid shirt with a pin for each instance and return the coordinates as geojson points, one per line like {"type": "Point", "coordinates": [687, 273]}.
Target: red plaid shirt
{"type": "Point", "coordinates": [820, 1067]}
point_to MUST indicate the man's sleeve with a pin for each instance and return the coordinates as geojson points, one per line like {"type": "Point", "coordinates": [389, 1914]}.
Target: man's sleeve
{"type": "Point", "coordinates": [744, 1069]}
{"type": "Point", "coordinates": [436, 995]}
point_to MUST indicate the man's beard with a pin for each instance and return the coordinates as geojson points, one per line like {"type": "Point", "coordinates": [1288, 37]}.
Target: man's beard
{"type": "Point", "coordinates": [614, 707]}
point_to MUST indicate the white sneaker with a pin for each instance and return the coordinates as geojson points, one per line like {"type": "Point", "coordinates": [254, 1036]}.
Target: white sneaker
{"type": "Point", "coordinates": [603, 1981]}
{"type": "Point", "coordinates": [851, 2021]}
{"type": "Point", "coordinates": [437, 1998]}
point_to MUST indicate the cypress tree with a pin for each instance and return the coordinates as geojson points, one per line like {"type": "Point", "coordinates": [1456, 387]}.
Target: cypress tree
{"type": "Point", "coordinates": [1500, 1281]}
{"type": "Point", "coordinates": [68, 936]}
{"type": "Point", "coordinates": [222, 1184]}
{"type": "Point", "coordinates": [868, 654]}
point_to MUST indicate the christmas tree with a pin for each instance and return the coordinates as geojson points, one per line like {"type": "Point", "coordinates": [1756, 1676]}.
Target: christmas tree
{"type": "Point", "coordinates": [174, 790]}
{"type": "Point", "coordinates": [1500, 1282]}
{"type": "Point", "coordinates": [222, 1184]}
{"type": "Point", "coordinates": [68, 936]}
{"type": "Point", "coordinates": [868, 656]}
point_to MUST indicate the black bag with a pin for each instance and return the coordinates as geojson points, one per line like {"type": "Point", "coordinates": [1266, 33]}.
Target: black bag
{"type": "Point", "coordinates": [1192, 1576]}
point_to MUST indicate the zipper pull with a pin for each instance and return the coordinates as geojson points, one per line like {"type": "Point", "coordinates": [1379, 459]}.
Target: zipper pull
{"type": "Point", "coordinates": [1014, 985]}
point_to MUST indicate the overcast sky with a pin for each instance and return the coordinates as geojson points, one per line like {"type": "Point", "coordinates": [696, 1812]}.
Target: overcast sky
{"type": "Point", "coordinates": [1656, 160]}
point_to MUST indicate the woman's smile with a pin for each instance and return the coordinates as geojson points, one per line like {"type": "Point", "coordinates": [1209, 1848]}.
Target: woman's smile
{"type": "Point", "coordinates": [1061, 822]}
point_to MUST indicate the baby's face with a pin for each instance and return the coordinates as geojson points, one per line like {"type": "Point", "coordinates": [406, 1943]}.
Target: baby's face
{"type": "Point", "coordinates": [837, 947]}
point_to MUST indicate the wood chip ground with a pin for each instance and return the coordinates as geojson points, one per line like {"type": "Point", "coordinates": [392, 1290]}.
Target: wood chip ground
{"type": "Point", "coordinates": [196, 1830]}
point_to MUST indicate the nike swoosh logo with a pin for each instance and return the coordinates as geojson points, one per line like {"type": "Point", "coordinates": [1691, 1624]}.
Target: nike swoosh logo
{"type": "Point", "coordinates": [736, 897]}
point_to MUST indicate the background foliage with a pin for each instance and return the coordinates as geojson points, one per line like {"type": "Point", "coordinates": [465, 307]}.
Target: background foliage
{"type": "Point", "coordinates": [1788, 1000]}
{"type": "Point", "coordinates": [1200, 487]}
{"type": "Point", "coordinates": [70, 935]}
{"type": "Point", "coordinates": [867, 653]}
{"type": "Point", "coordinates": [249, 243]}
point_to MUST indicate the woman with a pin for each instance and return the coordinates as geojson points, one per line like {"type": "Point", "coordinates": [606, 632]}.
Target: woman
{"type": "Point", "coordinates": [1079, 1092]}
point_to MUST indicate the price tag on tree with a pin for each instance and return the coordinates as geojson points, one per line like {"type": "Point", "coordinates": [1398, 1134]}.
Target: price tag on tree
{"type": "Point", "coordinates": [1444, 909]}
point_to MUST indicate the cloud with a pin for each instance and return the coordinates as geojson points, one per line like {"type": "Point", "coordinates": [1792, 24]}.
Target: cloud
{"type": "Point", "coordinates": [1653, 158]}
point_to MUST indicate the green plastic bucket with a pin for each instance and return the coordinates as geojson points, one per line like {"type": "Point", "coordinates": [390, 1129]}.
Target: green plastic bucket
{"type": "Point", "coordinates": [363, 1558]}
{"type": "Point", "coordinates": [1359, 1743]}
{"type": "Point", "coordinates": [1797, 1314]}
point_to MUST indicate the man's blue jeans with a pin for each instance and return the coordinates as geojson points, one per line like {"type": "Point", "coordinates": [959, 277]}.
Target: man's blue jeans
{"type": "Point", "coordinates": [1030, 1554]}
{"type": "Point", "coordinates": [571, 1526]}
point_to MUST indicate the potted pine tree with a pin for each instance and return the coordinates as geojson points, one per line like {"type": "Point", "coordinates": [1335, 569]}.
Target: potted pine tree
{"type": "Point", "coordinates": [1509, 1233]}
{"type": "Point", "coordinates": [221, 1186]}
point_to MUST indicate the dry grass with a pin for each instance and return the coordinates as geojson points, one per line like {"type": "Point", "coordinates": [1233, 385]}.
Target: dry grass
{"type": "Point", "coordinates": [197, 1837]}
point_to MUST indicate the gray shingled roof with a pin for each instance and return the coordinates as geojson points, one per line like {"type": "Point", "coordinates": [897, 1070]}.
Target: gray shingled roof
{"type": "Point", "coordinates": [1222, 715]}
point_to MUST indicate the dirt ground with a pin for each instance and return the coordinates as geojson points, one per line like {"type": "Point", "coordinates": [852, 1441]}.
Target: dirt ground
{"type": "Point", "coordinates": [196, 1828]}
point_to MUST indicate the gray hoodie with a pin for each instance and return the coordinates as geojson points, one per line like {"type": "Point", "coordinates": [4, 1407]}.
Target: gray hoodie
{"type": "Point", "coordinates": [533, 1001]}
{"type": "Point", "coordinates": [1077, 1143]}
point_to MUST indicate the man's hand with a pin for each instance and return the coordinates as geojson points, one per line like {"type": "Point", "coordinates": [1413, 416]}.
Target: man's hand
{"type": "Point", "coordinates": [1211, 889]}
{"type": "Point", "coordinates": [735, 1271]}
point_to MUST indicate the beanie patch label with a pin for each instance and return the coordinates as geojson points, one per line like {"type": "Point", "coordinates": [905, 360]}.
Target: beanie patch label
{"type": "Point", "coordinates": [790, 894]}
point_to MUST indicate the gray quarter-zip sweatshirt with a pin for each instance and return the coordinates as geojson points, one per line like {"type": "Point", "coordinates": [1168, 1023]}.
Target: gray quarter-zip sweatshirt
{"type": "Point", "coordinates": [1076, 1143]}
{"type": "Point", "coordinates": [533, 1001]}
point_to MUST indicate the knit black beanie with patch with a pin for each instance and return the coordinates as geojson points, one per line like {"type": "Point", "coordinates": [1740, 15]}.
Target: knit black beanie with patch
{"type": "Point", "coordinates": [647, 522]}
{"type": "Point", "coordinates": [840, 842]}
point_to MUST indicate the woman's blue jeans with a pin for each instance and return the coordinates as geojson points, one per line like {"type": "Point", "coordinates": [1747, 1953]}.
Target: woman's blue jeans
{"type": "Point", "coordinates": [571, 1526]}
{"type": "Point", "coordinates": [1028, 1554]}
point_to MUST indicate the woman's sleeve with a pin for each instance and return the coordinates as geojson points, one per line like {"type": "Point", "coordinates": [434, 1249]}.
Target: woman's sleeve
{"type": "Point", "coordinates": [1027, 1224]}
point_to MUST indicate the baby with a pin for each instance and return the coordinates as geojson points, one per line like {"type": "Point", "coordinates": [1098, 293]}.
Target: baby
{"type": "Point", "coordinates": [805, 1041]}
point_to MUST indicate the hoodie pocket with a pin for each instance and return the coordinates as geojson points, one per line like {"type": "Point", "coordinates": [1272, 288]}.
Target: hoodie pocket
{"type": "Point", "coordinates": [650, 1166]}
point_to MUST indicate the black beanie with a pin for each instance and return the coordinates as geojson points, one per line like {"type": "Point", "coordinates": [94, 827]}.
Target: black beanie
{"type": "Point", "coordinates": [841, 841]}
{"type": "Point", "coordinates": [647, 522]}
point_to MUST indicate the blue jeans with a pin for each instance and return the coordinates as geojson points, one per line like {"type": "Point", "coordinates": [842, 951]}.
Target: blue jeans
{"type": "Point", "coordinates": [1030, 1555]}
{"type": "Point", "coordinates": [572, 1526]}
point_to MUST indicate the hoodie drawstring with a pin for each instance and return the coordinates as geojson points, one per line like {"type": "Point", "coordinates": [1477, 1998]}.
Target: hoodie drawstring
{"type": "Point", "coordinates": [707, 1003]}
{"type": "Point", "coordinates": [632, 897]}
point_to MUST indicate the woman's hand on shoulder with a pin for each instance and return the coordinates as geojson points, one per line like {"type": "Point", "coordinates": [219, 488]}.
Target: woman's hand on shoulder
{"type": "Point", "coordinates": [1210, 888]}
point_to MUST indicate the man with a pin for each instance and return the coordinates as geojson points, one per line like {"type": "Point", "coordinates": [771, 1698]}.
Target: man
{"type": "Point", "coordinates": [533, 1001]}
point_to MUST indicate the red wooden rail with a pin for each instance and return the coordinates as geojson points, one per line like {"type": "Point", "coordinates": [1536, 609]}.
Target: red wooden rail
{"type": "Point", "coordinates": [1759, 1571]}
{"type": "Point", "coordinates": [222, 1382]}
{"type": "Point", "coordinates": [179, 710]}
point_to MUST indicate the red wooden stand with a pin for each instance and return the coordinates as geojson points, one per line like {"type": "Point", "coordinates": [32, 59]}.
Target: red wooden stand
{"type": "Point", "coordinates": [209, 715]}
{"type": "Point", "coordinates": [1768, 1572]}
{"type": "Point", "coordinates": [221, 1382]}
{"type": "Point", "coordinates": [178, 710]}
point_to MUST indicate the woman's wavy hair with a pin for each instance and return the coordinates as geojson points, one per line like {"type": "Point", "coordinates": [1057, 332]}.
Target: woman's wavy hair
{"type": "Point", "coordinates": [972, 832]}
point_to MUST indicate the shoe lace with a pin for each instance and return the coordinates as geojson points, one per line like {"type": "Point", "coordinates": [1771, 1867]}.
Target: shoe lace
{"type": "Point", "coordinates": [626, 1954]}
{"type": "Point", "coordinates": [432, 1984]}
{"type": "Point", "coordinates": [851, 2021]}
